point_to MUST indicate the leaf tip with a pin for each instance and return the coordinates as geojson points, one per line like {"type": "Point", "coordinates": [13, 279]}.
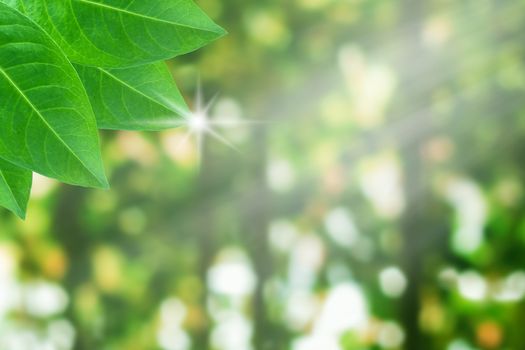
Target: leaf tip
{"type": "Point", "coordinates": [103, 183]}
{"type": "Point", "coordinates": [21, 214]}
{"type": "Point", "coordinates": [221, 31]}
{"type": "Point", "coordinates": [15, 209]}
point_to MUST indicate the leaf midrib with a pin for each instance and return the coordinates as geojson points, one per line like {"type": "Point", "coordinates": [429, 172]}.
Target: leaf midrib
{"type": "Point", "coordinates": [160, 20]}
{"type": "Point", "coordinates": [139, 92]}
{"type": "Point", "coordinates": [33, 107]}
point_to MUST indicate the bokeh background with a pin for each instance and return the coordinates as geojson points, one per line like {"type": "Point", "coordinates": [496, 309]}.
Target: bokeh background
{"type": "Point", "coordinates": [375, 200]}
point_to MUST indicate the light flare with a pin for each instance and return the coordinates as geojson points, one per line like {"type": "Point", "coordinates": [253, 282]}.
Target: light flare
{"type": "Point", "coordinates": [200, 124]}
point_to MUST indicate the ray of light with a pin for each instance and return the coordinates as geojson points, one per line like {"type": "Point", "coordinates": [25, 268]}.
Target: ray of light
{"type": "Point", "coordinates": [199, 124]}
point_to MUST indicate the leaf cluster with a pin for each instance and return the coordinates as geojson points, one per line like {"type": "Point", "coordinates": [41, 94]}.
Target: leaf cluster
{"type": "Point", "coordinates": [70, 67]}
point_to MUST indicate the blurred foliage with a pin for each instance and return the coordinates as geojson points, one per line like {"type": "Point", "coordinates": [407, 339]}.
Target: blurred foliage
{"type": "Point", "coordinates": [376, 201]}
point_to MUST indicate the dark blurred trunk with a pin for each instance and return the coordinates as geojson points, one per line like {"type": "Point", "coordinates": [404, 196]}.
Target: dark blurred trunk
{"type": "Point", "coordinates": [207, 245]}
{"type": "Point", "coordinates": [77, 243]}
{"type": "Point", "coordinates": [414, 66]}
{"type": "Point", "coordinates": [256, 224]}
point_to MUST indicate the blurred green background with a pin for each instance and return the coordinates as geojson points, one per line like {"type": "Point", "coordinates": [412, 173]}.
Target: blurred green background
{"type": "Point", "coordinates": [375, 201]}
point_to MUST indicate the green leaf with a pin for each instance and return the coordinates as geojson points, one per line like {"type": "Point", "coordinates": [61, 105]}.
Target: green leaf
{"type": "Point", "coordinates": [46, 120]}
{"type": "Point", "coordinates": [123, 33]}
{"type": "Point", "coordinates": [13, 3]}
{"type": "Point", "coordinates": [15, 187]}
{"type": "Point", "coordinates": [138, 98]}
